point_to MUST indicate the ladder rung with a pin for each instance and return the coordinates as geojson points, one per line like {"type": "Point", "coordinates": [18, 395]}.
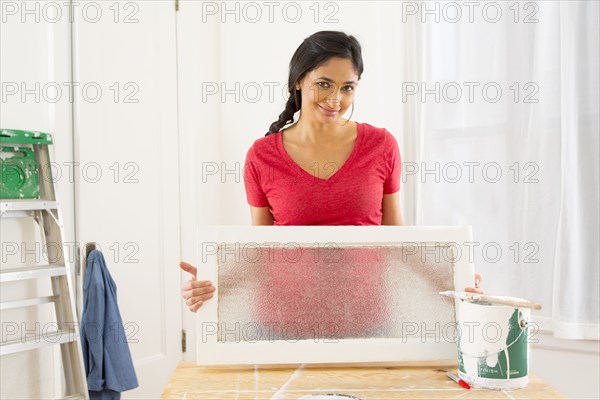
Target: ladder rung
{"type": "Point", "coordinates": [7, 305]}
{"type": "Point", "coordinates": [46, 271]}
{"type": "Point", "coordinates": [47, 339]}
{"type": "Point", "coordinates": [7, 205]}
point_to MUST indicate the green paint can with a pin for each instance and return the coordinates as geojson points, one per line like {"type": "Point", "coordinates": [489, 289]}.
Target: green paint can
{"type": "Point", "coordinates": [493, 345]}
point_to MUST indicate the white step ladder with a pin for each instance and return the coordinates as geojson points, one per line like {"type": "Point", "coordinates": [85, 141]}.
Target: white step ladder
{"type": "Point", "coordinates": [46, 212]}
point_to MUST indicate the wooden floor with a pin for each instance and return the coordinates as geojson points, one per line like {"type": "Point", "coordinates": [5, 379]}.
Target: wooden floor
{"type": "Point", "coordinates": [190, 381]}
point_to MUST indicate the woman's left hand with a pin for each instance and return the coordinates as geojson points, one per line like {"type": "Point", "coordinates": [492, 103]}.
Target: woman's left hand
{"type": "Point", "coordinates": [477, 288]}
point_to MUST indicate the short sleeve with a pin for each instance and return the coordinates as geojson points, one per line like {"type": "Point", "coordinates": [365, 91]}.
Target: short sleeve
{"type": "Point", "coordinates": [255, 194]}
{"type": "Point", "coordinates": [392, 164]}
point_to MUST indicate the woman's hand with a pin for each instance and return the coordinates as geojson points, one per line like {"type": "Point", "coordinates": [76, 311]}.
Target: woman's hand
{"type": "Point", "coordinates": [476, 289]}
{"type": "Point", "coordinates": [194, 292]}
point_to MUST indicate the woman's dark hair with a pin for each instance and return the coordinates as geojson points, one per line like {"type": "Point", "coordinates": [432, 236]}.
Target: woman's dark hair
{"type": "Point", "coordinates": [314, 51]}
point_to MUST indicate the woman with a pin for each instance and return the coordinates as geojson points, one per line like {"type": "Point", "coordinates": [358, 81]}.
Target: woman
{"type": "Point", "coordinates": [323, 169]}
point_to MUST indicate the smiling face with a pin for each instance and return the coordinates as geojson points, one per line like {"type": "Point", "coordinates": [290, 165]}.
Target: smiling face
{"type": "Point", "coordinates": [328, 91]}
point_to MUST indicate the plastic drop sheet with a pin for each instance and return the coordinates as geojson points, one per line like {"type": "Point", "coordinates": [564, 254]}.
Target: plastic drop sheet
{"type": "Point", "coordinates": [333, 292]}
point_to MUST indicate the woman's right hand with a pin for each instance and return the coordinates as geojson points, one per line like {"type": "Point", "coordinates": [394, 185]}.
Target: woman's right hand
{"type": "Point", "coordinates": [194, 292]}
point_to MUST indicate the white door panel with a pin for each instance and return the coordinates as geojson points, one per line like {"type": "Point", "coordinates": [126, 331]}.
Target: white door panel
{"type": "Point", "coordinates": [127, 182]}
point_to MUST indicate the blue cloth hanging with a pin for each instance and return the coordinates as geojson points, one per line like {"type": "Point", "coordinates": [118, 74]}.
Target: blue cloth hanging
{"type": "Point", "coordinates": [108, 364]}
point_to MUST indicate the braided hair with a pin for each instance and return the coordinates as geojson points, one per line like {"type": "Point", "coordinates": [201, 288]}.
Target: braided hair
{"type": "Point", "coordinates": [314, 51]}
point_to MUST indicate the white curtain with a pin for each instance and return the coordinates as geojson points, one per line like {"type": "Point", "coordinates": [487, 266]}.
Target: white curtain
{"type": "Point", "coordinates": [517, 155]}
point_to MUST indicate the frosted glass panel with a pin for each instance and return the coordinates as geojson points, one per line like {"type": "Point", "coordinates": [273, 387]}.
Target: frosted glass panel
{"type": "Point", "coordinates": [333, 292]}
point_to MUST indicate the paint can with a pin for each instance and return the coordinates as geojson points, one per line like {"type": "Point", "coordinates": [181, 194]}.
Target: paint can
{"type": "Point", "coordinates": [493, 345]}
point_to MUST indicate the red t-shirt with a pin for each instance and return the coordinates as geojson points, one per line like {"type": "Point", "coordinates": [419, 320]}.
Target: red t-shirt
{"type": "Point", "coordinates": [352, 194]}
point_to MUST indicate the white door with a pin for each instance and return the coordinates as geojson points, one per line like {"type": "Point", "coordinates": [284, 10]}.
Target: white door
{"type": "Point", "coordinates": [198, 54]}
{"type": "Point", "coordinates": [127, 179]}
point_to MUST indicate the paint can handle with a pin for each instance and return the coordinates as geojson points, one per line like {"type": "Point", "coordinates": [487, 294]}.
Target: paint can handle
{"type": "Point", "coordinates": [523, 324]}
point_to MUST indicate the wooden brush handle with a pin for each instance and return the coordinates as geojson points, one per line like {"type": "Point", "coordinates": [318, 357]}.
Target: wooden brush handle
{"type": "Point", "coordinates": [508, 301]}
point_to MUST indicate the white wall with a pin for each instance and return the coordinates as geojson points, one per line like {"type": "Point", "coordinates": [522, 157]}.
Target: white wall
{"type": "Point", "coordinates": [570, 366]}
{"type": "Point", "coordinates": [35, 55]}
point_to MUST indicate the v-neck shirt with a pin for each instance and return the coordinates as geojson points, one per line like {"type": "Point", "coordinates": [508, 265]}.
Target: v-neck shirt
{"type": "Point", "coordinates": [351, 194]}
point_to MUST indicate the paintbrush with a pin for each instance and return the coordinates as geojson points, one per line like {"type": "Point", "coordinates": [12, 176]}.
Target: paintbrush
{"type": "Point", "coordinates": [476, 297]}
